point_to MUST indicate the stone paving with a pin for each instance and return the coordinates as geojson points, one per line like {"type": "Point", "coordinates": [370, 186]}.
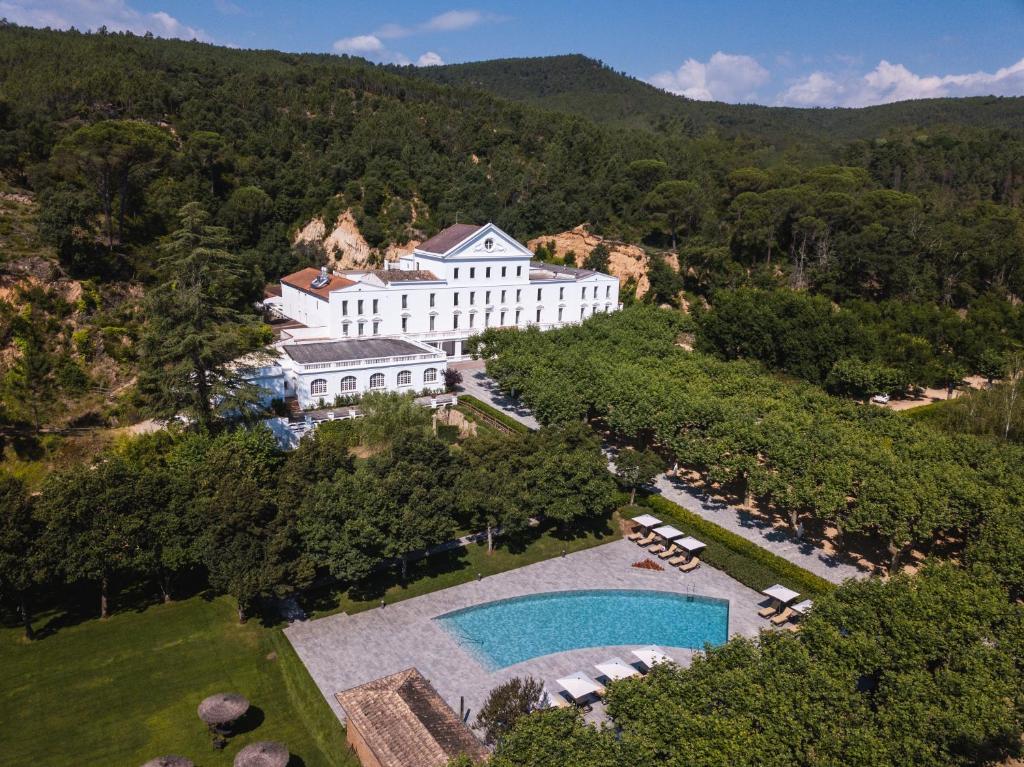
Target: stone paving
{"type": "Point", "coordinates": [754, 529]}
{"type": "Point", "coordinates": [341, 651]}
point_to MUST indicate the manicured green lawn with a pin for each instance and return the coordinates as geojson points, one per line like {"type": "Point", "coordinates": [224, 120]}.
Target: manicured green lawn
{"type": "Point", "coordinates": [121, 691]}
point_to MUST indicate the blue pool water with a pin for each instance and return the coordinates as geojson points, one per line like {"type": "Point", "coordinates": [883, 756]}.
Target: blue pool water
{"type": "Point", "coordinates": [510, 631]}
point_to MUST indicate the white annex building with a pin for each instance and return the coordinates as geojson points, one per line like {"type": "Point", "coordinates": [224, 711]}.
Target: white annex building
{"type": "Point", "coordinates": [395, 328]}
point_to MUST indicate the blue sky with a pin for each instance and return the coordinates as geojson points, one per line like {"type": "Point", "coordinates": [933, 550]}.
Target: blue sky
{"type": "Point", "coordinates": [798, 52]}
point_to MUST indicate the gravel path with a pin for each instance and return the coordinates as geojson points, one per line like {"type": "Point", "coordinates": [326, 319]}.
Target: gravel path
{"type": "Point", "coordinates": [758, 531]}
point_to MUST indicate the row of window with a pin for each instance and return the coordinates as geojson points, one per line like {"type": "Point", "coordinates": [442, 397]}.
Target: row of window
{"type": "Point", "coordinates": [472, 298]}
{"type": "Point", "coordinates": [487, 272]}
{"type": "Point", "coordinates": [503, 314]}
{"type": "Point", "coordinates": [318, 386]}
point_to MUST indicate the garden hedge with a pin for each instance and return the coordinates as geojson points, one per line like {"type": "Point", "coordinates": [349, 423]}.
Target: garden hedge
{"type": "Point", "coordinates": [492, 412]}
{"type": "Point", "coordinates": [744, 560]}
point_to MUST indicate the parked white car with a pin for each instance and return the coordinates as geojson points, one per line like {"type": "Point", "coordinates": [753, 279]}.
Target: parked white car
{"type": "Point", "coordinates": [880, 399]}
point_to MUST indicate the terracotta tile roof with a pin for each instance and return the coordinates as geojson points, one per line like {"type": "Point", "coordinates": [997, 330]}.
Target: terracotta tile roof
{"type": "Point", "coordinates": [403, 720]}
{"type": "Point", "coordinates": [303, 280]}
{"type": "Point", "coordinates": [448, 238]}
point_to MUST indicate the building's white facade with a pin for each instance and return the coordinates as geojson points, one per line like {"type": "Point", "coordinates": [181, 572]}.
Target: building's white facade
{"type": "Point", "coordinates": [456, 284]}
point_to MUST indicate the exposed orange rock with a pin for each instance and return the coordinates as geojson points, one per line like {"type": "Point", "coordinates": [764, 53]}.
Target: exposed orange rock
{"type": "Point", "coordinates": [344, 246]}
{"type": "Point", "coordinates": [625, 261]}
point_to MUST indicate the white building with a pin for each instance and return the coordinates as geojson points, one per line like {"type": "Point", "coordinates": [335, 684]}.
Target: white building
{"type": "Point", "coordinates": [396, 327]}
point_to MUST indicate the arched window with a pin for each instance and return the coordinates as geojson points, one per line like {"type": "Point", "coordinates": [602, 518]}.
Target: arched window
{"type": "Point", "coordinates": [430, 375]}
{"type": "Point", "coordinates": [348, 383]}
{"type": "Point", "coordinates": [377, 381]}
{"type": "Point", "coordinates": [404, 377]}
{"type": "Point", "coordinates": [318, 387]}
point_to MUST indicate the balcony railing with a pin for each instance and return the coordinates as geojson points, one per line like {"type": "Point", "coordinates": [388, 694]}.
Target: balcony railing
{"type": "Point", "coordinates": [371, 362]}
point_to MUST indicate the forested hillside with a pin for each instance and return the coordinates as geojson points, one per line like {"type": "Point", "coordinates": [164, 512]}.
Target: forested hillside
{"type": "Point", "coordinates": [109, 136]}
{"type": "Point", "coordinates": [580, 85]}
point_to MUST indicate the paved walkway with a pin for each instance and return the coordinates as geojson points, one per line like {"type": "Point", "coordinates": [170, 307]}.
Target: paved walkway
{"type": "Point", "coordinates": [341, 651]}
{"type": "Point", "coordinates": [476, 382]}
{"type": "Point", "coordinates": [758, 531]}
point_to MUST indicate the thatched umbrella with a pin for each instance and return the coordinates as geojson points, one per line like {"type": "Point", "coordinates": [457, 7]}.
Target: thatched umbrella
{"type": "Point", "coordinates": [169, 761]}
{"type": "Point", "coordinates": [264, 753]}
{"type": "Point", "coordinates": [223, 708]}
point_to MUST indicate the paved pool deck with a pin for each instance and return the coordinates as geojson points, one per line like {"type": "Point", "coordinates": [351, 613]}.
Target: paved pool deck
{"type": "Point", "coordinates": [342, 651]}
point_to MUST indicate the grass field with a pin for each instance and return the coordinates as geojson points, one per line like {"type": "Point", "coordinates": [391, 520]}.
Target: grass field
{"type": "Point", "coordinates": [121, 691]}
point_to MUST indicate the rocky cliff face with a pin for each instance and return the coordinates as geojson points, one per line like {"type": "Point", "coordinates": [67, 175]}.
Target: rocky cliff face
{"type": "Point", "coordinates": [345, 246]}
{"type": "Point", "coordinates": [625, 261]}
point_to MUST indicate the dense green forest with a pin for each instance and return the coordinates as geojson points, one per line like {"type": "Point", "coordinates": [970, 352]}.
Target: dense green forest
{"type": "Point", "coordinates": [176, 511]}
{"type": "Point", "coordinates": [870, 481]}
{"type": "Point", "coordinates": [114, 134]}
{"type": "Point", "coordinates": [581, 85]}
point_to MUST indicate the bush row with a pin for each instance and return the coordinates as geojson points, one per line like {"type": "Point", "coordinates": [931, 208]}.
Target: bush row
{"type": "Point", "coordinates": [492, 412]}
{"type": "Point", "coordinates": [733, 554]}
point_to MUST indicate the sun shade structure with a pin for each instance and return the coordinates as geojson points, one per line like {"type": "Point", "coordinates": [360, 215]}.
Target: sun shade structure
{"type": "Point", "coordinates": [263, 753]}
{"type": "Point", "coordinates": [781, 593]}
{"type": "Point", "coordinates": [579, 685]}
{"type": "Point", "coordinates": [803, 607]}
{"type": "Point", "coordinates": [616, 668]}
{"type": "Point", "coordinates": [401, 721]}
{"type": "Point", "coordinates": [646, 520]}
{"type": "Point", "coordinates": [668, 532]}
{"type": "Point", "coordinates": [223, 708]}
{"type": "Point", "coordinates": [169, 761]}
{"type": "Point", "coordinates": [690, 543]}
{"type": "Point", "coordinates": [651, 656]}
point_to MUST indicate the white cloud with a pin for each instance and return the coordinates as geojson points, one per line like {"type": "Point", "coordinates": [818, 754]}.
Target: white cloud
{"type": "Point", "coordinates": [889, 82]}
{"type": "Point", "coordinates": [372, 46]}
{"type": "Point", "coordinates": [451, 21]}
{"type": "Point", "coordinates": [115, 15]}
{"type": "Point", "coordinates": [359, 45]}
{"type": "Point", "coordinates": [429, 59]}
{"type": "Point", "coordinates": [723, 77]}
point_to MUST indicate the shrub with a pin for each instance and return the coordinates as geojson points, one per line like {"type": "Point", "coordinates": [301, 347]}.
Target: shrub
{"type": "Point", "coordinates": [491, 412]}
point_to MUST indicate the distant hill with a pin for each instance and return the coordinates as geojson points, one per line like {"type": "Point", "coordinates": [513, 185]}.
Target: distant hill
{"type": "Point", "coordinates": [580, 85]}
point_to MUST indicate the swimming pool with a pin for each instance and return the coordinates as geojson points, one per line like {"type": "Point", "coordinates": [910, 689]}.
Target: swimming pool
{"type": "Point", "coordinates": [511, 631]}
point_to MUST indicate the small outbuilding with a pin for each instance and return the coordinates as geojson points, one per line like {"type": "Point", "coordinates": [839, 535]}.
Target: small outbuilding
{"type": "Point", "coordinates": [401, 721]}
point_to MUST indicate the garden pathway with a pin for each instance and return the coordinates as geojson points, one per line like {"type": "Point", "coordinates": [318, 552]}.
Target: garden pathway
{"type": "Point", "coordinates": [756, 530]}
{"type": "Point", "coordinates": [477, 383]}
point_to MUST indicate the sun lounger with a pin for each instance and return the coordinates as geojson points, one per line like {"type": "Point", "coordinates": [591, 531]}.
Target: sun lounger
{"type": "Point", "coordinates": [689, 567]}
{"type": "Point", "coordinates": [782, 617]}
{"type": "Point", "coordinates": [651, 538]}
{"type": "Point", "coordinates": [556, 700]}
{"type": "Point", "coordinates": [768, 612]}
{"type": "Point", "coordinates": [794, 627]}
{"type": "Point", "coordinates": [635, 536]}
{"type": "Point", "coordinates": [670, 552]}
{"type": "Point", "coordinates": [679, 560]}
